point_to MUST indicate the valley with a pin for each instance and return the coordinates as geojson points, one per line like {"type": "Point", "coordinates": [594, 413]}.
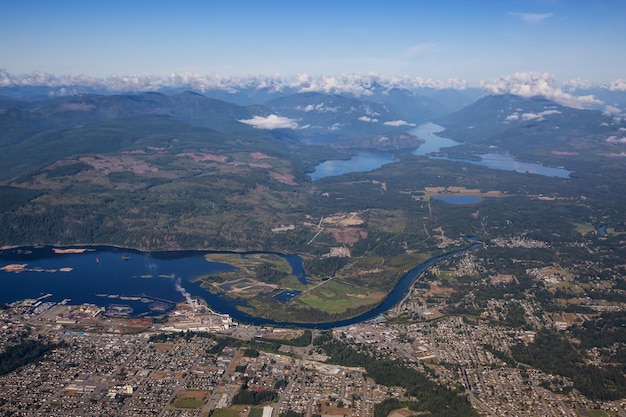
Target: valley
{"type": "Point", "coordinates": [169, 174]}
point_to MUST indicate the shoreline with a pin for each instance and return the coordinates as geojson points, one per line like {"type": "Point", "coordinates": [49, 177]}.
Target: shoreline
{"type": "Point", "coordinates": [84, 247]}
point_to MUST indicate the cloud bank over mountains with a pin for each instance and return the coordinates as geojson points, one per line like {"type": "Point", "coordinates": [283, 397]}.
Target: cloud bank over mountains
{"type": "Point", "coordinates": [537, 84]}
{"type": "Point", "coordinates": [524, 84]}
{"type": "Point", "coordinates": [342, 84]}
{"type": "Point", "coordinates": [533, 84]}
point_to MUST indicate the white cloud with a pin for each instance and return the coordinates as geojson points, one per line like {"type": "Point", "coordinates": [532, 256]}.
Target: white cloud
{"type": "Point", "coordinates": [272, 121]}
{"type": "Point", "coordinates": [618, 85]}
{"type": "Point", "coordinates": [321, 108]}
{"type": "Point", "coordinates": [533, 18]}
{"type": "Point", "coordinates": [356, 84]}
{"type": "Point", "coordinates": [364, 84]}
{"type": "Point", "coordinates": [533, 84]}
{"type": "Point", "coordinates": [612, 110]}
{"type": "Point", "coordinates": [369, 111]}
{"type": "Point", "coordinates": [513, 116]}
{"type": "Point", "coordinates": [577, 84]}
{"type": "Point", "coordinates": [368, 119]}
{"type": "Point", "coordinates": [531, 116]}
{"type": "Point", "coordinates": [398, 123]}
{"type": "Point", "coordinates": [616, 140]}
{"type": "Point", "coordinates": [335, 126]}
{"type": "Point", "coordinates": [539, 116]}
{"type": "Point", "coordinates": [353, 84]}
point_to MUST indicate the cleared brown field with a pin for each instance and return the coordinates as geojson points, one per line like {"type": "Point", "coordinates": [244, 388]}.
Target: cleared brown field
{"type": "Point", "coordinates": [193, 394]}
{"type": "Point", "coordinates": [165, 347]}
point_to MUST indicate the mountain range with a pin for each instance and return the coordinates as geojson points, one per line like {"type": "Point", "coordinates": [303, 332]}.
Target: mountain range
{"type": "Point", "coordinates": [537, 129]}
{"type": "Point", "coordinates": [39, 131]}
{"type": "Point", "coordinates": [183, 170]}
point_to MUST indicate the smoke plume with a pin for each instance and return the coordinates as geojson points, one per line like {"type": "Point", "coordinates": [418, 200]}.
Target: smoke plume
{"type": "Point", "coordinates": [180, 289]}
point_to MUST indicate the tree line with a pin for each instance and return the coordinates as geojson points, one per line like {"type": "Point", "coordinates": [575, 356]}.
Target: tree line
{"type": "Point", "coordinates": [435, 399]}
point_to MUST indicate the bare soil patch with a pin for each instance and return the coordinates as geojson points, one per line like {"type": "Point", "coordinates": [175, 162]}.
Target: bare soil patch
{"type": "Point", "coordinates": [404, 412]}
{"type": "Point", "coordinates": [193, 394]}
{"type": "Point", "coordinates": [287, 179]}
{"type": "Point", "coordinates": [200, 157]}
{"type": "Point", "coordinates": [260, 155]}
{"type": "Point", "coordinates": [165, 347]}
{"type": "Point", "coordinates": [335, 411]}
{"type": "Point", "coordinates": [348, 236]}
{"type": "Point", "coordinates": [436, 290]}
{"type": "Point", "coordinates": [106, 164]}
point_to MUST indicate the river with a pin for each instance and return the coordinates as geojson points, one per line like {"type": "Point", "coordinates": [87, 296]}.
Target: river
{"type": "Point", "coordinates": [108, 276]}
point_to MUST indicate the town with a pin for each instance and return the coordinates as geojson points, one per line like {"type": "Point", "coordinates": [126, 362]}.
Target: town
{"type": "Point", "coordinates": [196, 362]}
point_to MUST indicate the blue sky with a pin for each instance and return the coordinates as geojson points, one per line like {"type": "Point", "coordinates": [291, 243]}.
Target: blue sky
{"type": "Point", "coordinates": [469, 40]}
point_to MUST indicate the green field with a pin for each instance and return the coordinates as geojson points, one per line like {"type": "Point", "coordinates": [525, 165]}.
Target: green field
{"type": "Point", "coordinates": [337, 297]}
{"type": "Point", "coordinates": [262, 267]}
{"type": "Point", "coordinates": [612, 232]}
{"type": "Point", "coordinates": [598, 413]}
{"type": "Point", "coordinates": [188, 403]}
{"type": "Point", "coordinates": [583, 229]}
{"type": "Point", "coordinates": [255, 412]}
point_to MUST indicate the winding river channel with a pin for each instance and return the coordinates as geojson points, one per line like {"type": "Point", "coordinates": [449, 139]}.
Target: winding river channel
{"type": "Point", "coordinates": [147, 282]}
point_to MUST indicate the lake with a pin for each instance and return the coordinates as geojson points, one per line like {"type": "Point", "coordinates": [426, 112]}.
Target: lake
{"type": "Point", "coordinates": [508, 163]}
{"type": "Point", "coordinates": [433, 143]}
{"type": "Point", "coordinates": [365, 161]}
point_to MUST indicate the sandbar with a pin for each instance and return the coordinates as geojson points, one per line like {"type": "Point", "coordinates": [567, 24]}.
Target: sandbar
{"type": "Point", "coordinates": [69, 250]}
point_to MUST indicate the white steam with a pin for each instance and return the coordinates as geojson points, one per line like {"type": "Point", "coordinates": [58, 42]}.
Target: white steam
{"type": "Point", "coordinates": [178, 286]}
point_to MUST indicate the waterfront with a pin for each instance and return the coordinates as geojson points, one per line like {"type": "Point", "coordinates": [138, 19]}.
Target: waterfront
{"type": "Point", "coordinates": [105, 275]}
